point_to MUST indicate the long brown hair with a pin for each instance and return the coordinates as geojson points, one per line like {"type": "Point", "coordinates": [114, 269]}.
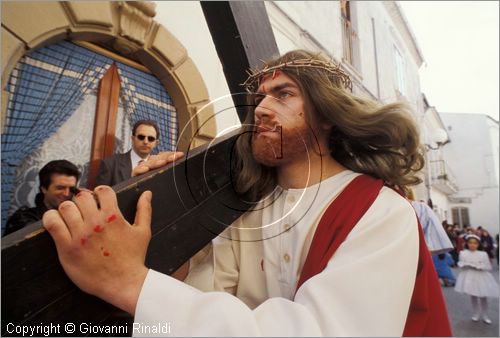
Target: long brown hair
{"type": "Point", "coordinates": [366, 137]}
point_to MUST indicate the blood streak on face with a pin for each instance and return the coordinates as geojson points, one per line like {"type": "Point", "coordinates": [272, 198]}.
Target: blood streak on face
{"type": "Point", "coordinates": [282, 134]}
{"type": "Point", "coordinates": [111, 218]}
{"type": "Point", "coordinates": [83, 240]}
{"type": "Point", "coordinates": [98, 228]}
{"type": "Point", "coordinates": [105, 253]}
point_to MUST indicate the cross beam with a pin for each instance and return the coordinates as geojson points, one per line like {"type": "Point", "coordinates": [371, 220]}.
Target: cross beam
{"type": "Point", "coordinates": [193, 200]}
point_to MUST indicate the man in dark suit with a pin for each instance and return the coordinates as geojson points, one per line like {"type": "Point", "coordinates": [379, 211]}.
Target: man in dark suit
{"type": "Point", "coordinates": [118, 168]}
{"type": "Point", "coordinates": [58, 180]}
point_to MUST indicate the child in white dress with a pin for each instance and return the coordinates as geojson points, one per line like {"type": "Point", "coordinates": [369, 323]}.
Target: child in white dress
{"type": "Point", "coordinates": [474, 278]}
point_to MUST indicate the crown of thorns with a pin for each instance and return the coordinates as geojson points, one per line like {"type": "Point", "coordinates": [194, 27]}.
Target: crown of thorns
{"type": "Point", "coordinates": [254, 76]}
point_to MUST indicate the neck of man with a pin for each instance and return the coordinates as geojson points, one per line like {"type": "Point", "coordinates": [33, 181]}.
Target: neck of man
{"type": "Point", "coordinates": [309, 171]}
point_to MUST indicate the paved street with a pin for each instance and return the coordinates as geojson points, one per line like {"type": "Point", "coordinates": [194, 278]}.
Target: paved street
{"type": "Point", "coordinates": [460, 313]}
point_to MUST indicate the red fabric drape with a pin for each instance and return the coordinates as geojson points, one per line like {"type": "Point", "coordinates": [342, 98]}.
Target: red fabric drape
{"type": "Point", "coordinates": [427, 315]}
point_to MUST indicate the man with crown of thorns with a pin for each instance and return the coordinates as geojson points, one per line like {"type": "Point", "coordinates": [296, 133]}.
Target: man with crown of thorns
{"type": "Point", "coordinates": [330, 249]}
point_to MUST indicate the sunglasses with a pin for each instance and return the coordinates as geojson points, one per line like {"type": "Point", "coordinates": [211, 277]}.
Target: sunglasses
{"type": "Point", "coordinates": [142, 137]}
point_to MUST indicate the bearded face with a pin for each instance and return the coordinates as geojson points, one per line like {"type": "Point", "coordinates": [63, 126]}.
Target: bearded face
{"type": "Point", "coordinates": [279, 144]}
{"type": "Point", "coordinates": [281, 133]}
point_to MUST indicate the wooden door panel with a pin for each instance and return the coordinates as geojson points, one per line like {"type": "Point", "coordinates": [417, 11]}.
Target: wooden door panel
{"type": "Point", "coordinates": [103, 140]}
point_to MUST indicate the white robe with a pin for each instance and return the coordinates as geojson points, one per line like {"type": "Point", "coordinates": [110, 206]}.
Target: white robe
{"type": "Point", "coordinates": [365, 290]}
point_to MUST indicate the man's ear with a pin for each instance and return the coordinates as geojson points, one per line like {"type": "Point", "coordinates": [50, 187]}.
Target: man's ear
{"type": "Point", "coordinates": [44, 191]}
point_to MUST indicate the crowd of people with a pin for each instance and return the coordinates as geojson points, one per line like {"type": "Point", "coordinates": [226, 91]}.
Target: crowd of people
{"type": "Point", "coordinates": [472, 252]}
{"type": "Point", "coordinates": [458, 238]}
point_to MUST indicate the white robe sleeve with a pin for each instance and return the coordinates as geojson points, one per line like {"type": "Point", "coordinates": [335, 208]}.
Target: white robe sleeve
{"type": "Point", "coordinates": [364, 291]}
{"type": "Point", "coordinates": [435, 235]}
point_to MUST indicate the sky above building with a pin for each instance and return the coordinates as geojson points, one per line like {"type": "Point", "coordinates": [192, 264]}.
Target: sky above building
{"type": "Point", "coordinates": [459, 41]}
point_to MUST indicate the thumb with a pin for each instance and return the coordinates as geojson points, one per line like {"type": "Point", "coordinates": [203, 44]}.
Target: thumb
{"type": "Point", "coordinates": [140, 169]}
{"type": "Point", "coordinates": [175, 156]}
{"type": "Point", "coordinates": [144, 210]}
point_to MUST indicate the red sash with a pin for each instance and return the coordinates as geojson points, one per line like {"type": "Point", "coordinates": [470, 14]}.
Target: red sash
{"type": "Point", "coordinates": [427, 315]}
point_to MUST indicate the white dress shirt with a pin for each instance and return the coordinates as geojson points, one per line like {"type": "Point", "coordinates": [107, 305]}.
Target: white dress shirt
{"type": "Point", "coordinates": [135, 159]}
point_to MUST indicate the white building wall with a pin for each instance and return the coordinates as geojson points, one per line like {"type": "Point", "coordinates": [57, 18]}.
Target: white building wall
{"type": "Point", "coordinates": [185, 20]}
{"type": "Point", "coordinates": [294, 21]}
{"type": "Point", "coordinates": [484, 210]}
{"type": "Point", "coordinates": [317, 25]}
{"type": "Point", "coordinates": [474, 159]}
{"type": "Point", "coordinates": [380, 26]}
{"type": "Point", "coordinates": [494, 139]}
{"type": "Point", "coordinates": [385, 55]}
{"type": "Point", "coordinates": [441, 206]}
{"type": "Point", "coordinates": [314, 25]}
{"type": "Point", "coordinates": [430, 122]}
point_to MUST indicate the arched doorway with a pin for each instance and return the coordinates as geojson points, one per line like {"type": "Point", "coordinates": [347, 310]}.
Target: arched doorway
{"type": "Point", "coordinates": [126, 28]}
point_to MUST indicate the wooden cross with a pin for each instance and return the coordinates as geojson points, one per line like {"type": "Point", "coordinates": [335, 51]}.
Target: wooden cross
{"type": "Point", "coordinates": [193, 200]}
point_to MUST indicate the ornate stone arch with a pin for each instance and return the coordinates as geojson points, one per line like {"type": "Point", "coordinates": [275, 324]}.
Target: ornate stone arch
{"type": "Point", "coordinates": [124, 27]}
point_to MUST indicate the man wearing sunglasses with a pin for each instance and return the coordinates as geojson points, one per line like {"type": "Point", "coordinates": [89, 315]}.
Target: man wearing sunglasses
{"type": "Point", "coordinates": [118, 168]}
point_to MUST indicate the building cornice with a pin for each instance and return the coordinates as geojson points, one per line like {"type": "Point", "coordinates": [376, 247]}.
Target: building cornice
{"type": "Point", "coordinates": [399, 19]}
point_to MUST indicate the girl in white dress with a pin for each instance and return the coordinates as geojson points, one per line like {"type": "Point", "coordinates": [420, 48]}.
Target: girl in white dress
{"type": "Point", "coordinates": [474, 278]}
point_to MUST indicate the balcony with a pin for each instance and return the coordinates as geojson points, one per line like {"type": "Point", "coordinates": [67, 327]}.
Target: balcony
{"type": "Point", "coordinates": [442, 178]}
